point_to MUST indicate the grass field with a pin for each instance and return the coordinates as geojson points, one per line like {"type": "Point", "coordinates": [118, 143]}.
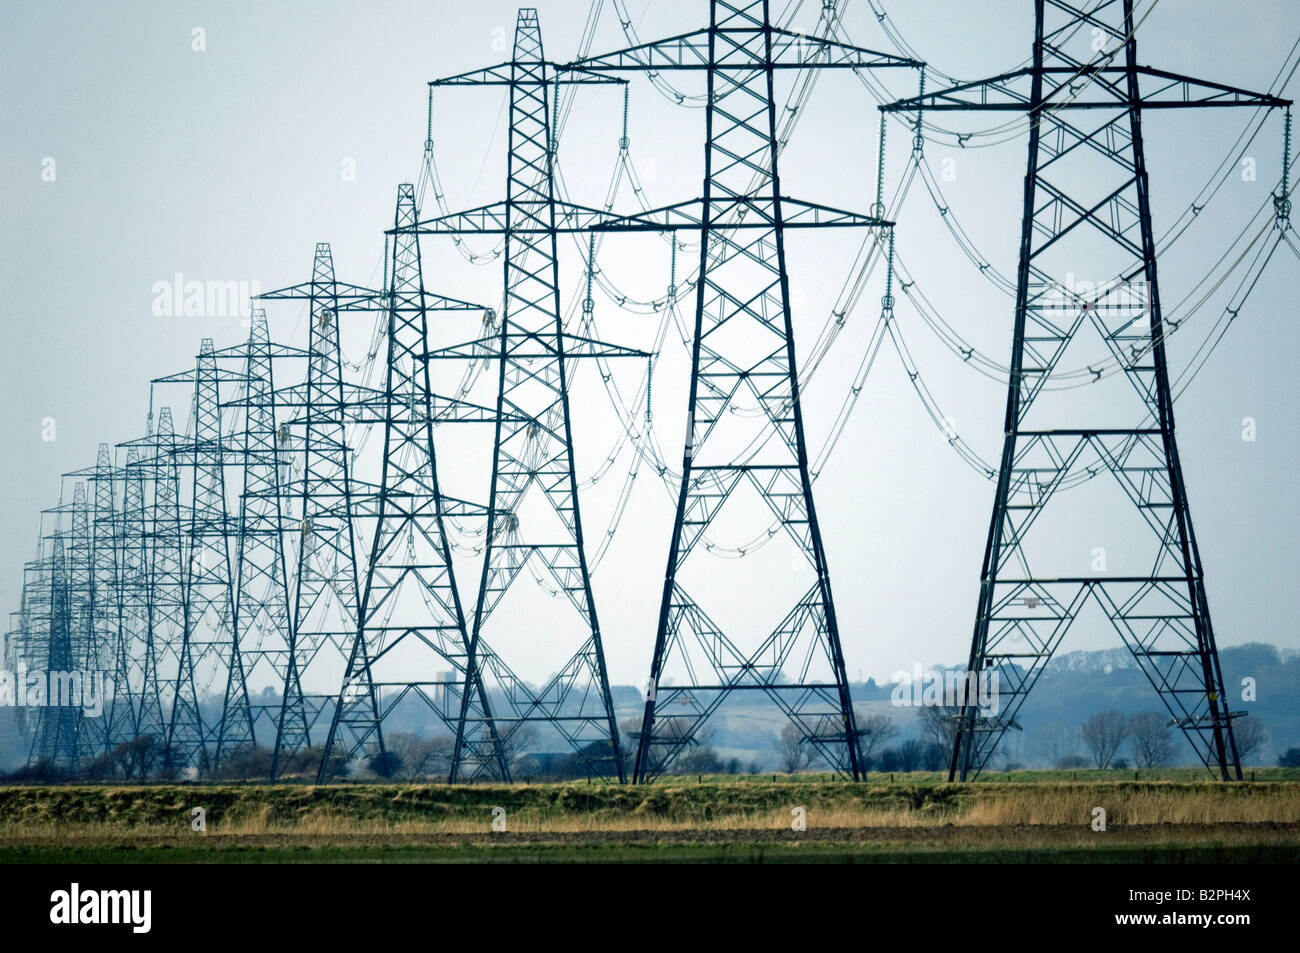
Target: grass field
{"type": "Point", "coordinates": [1026, 816]}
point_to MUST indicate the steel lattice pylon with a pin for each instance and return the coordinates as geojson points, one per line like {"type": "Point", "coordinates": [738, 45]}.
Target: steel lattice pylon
{"type": "Point", "coordinates": [321, 506]}
{"type": "Point", "coordinates": [261, 610]}
{"type": "Point", "coordinates": [57, 726]}
{"type": "Point", "coordinates": [533, 510]}
{"type": "Point", "coordinates": [128, 704]}
{"type": "Point", "coordinates": [106, 617]}
{"type": "Point", "coordinates": [164, 609]}
{"type": "Point", "coordinates": [411, 638]}
{"type": "Point", "coordinates": [324, 591]}
{"type": "Point", "coordinates": [323, 574]}
{"type": "Point", "coordinates": [119, 714]}
{"type": "Point", "coordinates": [1086, 205]}
{"type": "Point", "coordinates": [207, 646]}
{"type": "Point", "coordinates": [744, 351]}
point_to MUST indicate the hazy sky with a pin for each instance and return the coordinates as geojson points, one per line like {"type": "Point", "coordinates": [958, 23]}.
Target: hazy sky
{"type": "Point", "coordinates": [229, 163]}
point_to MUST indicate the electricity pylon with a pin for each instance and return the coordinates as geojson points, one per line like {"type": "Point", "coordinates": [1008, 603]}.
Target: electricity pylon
{"type": "Point", "coordinates": [1086, 205]}
{"type": "Point", "coordinates": [136, 654]}
{"type": "Point", "coordinates": [54, 739]}
{"type": "Point", "coordinates": [163, 530]}
{"type": "Point", "coordinates": [744, 351]}
{"type": "Point", "coordinates": [332, 506]}
{"type": "Point", "coordinates": [534, 518]}
{"type": "Point", "coordinates": [322, 567]}
{"type": "Point", "coordinates": [207, 646]}
{"type": "Point", "coordinates": [261, 602]}
{"type": "Point", "coordinates": [64, 633]}
{"type": "Point", "coordinates": [108, 640]}
{"type": "Point", "coordinates": [29, 628]}
{"type": "Point", "coordinates": [87, 593]}
{"type": "Point", "coordinates": [410, 643]}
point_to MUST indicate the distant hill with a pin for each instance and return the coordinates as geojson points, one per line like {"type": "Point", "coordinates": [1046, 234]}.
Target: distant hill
{"type": "Point", "coordinates": [1074, 686]}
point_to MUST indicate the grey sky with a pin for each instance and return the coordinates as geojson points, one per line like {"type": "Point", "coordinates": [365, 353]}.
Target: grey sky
{"type": "Point", "coordinates": [226, 165]}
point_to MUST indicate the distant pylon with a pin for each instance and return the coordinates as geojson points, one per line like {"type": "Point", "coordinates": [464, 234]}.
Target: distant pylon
{"type": "Point", "coordinates": [207, 648]}
{"type": "Point", "coordinates": [26, 627]}
{"type": "Point", "coordinates": [106, 659]}
{"type": "Point", "coordinates": [55, 738]}
{"type": "Point", "coordinates": [410, 623]}
{"type": "Point", "coordinates": [261, 610]}
{"type": "Point", "coordinates": [127, 704]}
{"type": "Point", "coordinates": [164, 608]}
{"type": "Point", "coordinates": [322, 567]}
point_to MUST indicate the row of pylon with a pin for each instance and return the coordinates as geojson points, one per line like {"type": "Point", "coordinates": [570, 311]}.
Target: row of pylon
{"type": "Point", "coordinates": [303, 612]}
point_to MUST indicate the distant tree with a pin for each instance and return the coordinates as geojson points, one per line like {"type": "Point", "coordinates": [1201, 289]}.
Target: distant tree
{"type": "Point", "coordinates": [138, 758]}
{"type": "Point", "coordinates": [100, 768]}
{"type": "Point", "coordinates": [385, 763]}
{"type": "Point", "coordinates": [932, 758]}
{"type": "Point", "coordinates": [303, 763]}
{"type": "Point", "coordinates": [421, 757]}
{"type": "Point", "coordinates": [438, 753]}
{"type": "Point", "coordinates": [939, 726]}
{"type": "Point", "coordinates": [1249, 734]}
{"type": "Point", "coordinates": [1290, 758]}
{"type": "Point", "coordinates": [41, 772]}
{"type": "Point", "coordinates": [1009, 752]}
{"type": "Point", "coordinates": [170, 764]}
{"type": "Point", "coordinates": [888, 760]}
{"type": "Point", "coordinates": [1153, 742]}
{"type": "Point", "coordinates": [247, 762]}
{"type": "Point", "coordinates": [734, 766]}
{"type": "Point", "coordinates": [672, 736]}
{"type": "Point", "coordinates": [516, 744]}
{"type": "Point", "coordinates": [411, 750]}
{"type": "Point", "coordinates": [1053, 741]}
{"type": "Point", "coordinates": [910, 753]}
{"type": "Point", "coordinates": [792, 749]}
{"type": "Point", "coordinates": [701, 759]}
{"type": "Point", "coordinates": [874, 732]}
{"type": "Point", "coordinates": [1102, 734]}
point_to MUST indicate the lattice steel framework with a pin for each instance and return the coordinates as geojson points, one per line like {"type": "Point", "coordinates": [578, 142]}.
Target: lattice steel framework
{"type": "Point", "coordinates": [744, 351]}
{"type": "Point", "coordinates": [29, 626]}
{"type": "Point", "coordinates": [65, 737]}
{"type": "Point", "coordinates": [533, 509]}
{"type": "Point", "coordinates": [57, 635]}
{"type": "Point", "coordinates": [322, 567]}
{"type": "Point", "coordinates": [261, 649]}
{"type": "Point", "coordinates": [164, 610]}
{"type": "Point", "coordinates": [106, 613]}
{"type": "Point", "coordinates": [1087, 211]}
{"type": "Point", "coordinates": [410, 640]}
{"type": "Point", "coordinates": [132, 665]}
{"type": "Point", "coordinates": [207, 646]}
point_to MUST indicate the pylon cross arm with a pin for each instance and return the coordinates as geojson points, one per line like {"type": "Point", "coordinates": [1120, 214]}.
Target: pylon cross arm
{"type": "Point", "coordinates": [738, 49]}
{"type": "Point", "coordinates": [1005, 92]}
{"type": "Point", "coordinates": [503, 74]}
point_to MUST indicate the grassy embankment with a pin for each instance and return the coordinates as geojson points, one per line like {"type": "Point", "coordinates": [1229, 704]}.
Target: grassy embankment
{"type": "Point", "coordinates": [1026, 816]}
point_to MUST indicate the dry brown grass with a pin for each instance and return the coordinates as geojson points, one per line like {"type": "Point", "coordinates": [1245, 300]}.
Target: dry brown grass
{"type": "Point", "coordinates": [971, 807]}
{"type": "Point", "coordinates": [1134, 804]}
